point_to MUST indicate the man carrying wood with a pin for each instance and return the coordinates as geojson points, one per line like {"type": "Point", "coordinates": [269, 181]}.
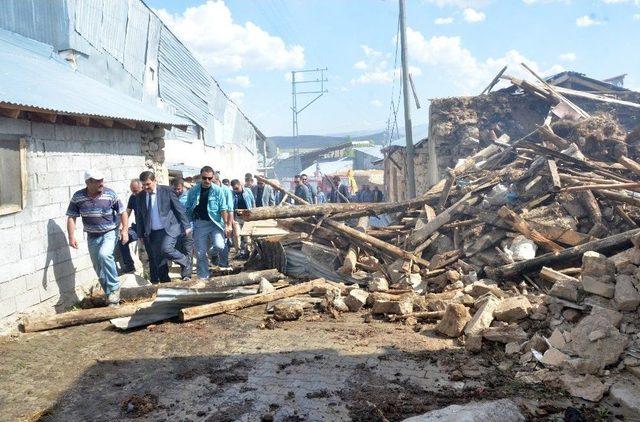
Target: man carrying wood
{"type": "Point", "coordinates": [101, 213]}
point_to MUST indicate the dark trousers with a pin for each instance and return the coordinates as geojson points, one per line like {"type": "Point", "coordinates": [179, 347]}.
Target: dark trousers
{"type": "Point", "coordinates": [185, 246]}
{"type": "Point", "coordinates": [125, 252]}
{"type": "Point", "coordinates": [161, 248]}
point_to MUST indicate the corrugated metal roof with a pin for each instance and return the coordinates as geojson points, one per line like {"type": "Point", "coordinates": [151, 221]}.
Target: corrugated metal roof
{"type": "Point", "coordinates": [33, 75]}
{"type": "Point", "coordinates": [330, 167]}
{"type": "Point", "coordinates": [372, 151]}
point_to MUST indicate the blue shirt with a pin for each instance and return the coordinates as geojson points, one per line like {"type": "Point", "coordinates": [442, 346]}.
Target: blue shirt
{"type": "Point", "coordinates": [99, 214]}
{"type": "Point", "coordinates": [216, 203]}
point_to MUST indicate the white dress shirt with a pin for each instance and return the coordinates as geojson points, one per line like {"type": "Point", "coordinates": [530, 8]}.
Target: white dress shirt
{"type": "Point", "coordinates": [154, 215]}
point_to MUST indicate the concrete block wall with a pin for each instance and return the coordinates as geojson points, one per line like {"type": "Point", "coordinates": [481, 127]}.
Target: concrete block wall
{"type": "Point", "coordinates": [38, 270]}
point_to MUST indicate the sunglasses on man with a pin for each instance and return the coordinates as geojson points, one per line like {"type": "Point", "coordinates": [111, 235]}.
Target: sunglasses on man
{"type": "Point", "coordinates": [207, 178]}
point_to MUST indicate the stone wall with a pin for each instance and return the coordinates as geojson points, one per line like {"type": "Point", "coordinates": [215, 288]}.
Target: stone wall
{"type": "Point", "coordinates": [38, 270]}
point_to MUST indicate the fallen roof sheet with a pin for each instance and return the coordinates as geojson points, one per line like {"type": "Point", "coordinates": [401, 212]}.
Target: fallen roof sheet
{"type": "Point", "coordinates": [375, 151]}
{"type": "Point", "coordinates": [32, 75]}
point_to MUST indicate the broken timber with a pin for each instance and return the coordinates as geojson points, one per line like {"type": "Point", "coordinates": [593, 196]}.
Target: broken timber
{"type": "Point", "coordinates": [565, 256]}
{"type": "Point", "coordinates": [195, 312]}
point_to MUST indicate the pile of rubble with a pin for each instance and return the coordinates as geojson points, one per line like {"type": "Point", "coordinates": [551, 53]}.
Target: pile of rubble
{"type": "Point", "coordinates": [527, 243]}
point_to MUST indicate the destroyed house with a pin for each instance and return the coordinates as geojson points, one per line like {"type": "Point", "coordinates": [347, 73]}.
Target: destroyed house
{"type": "Point", "coordinates": [461, 126]}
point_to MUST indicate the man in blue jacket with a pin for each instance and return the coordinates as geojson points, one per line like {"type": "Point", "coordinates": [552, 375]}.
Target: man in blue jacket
{"type": "Point", "coordinates": [243, 200]}
{"type": "Point", "coordinates": [208, 209]}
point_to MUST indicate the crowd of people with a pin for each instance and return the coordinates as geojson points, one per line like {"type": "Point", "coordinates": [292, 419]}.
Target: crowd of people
{"type": "Point", "coordinates": [173, 222]}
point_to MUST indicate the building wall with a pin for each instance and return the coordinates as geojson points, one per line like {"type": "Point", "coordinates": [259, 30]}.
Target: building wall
{"type": "Point", "coordinates": [395, 181]}
{"type": "Point", "coordinates": [38, 270]}
{"type": "Point", "coordinates": [125, 45]}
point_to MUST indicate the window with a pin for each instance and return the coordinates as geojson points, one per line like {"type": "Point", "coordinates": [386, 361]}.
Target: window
{"type": "Point", "coordinates": [13, 175]}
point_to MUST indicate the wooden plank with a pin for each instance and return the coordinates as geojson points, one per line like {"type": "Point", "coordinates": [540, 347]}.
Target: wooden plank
{"type": "Point", "coordinates": [419, 236]}
{"type": "Point", "coordinates": [521, 226]}
{"type": "Point", "coordinates": [195, 312]}
{"type": "Point", "coordinates": [494, 81]}
{"type": "Point", "coordinates": [629, 164]}
{"type": "Point", "coordinates": [446, 190]}
{"type": "Point", "coordinates": [555, 177]}
{"type": "Point", "coordinates": [635, 186]}
{"type": "Point", "coordinates": [12, 113]}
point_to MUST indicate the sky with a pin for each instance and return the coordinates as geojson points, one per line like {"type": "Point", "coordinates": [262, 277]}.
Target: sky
{"type": "Point", "coordinates": [455, 47]}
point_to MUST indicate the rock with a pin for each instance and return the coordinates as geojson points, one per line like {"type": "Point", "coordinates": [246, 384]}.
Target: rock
{"type": "Point", "coordinates": [537, 343]}
{"type": "Point", "coordinates": [566, 289]}
{"type": "Point", "coordinates": [512, 309]}
{"type": "Point", "coordinates": [506, 334]}
{"type": "Point", "coordinates": [597, 286]}
{"type": "Point", "coordinates": [454, 320]}
{"type": "Point", "coordinates": [584, 366]}
{"type": "Point", "coordinates": [626, 259]}
{"type": "Point", "coordinates": [586, 387]}
{"type": "Point", "coordinates": [498, 410]}
{"type": "Point", "coordinates": [378, 284]}
{"type": "Point", "coordinates": [158, 132]}
{"type": "Point", "coordinates": [512, 348]}
{"type": "Point", "coordinates": [482, 318]}
{"type": "Point", "coordinates": [265, 287]}
{"type": "Point", "coordinates": [605, 351]}
{"type": "Point", "coordinates": [557, 340]}
{"type": "Point", "coordinates": [287, 310]}
{"type": "Point", "coordinates": [627, 393]}
{"type": "Point", "coordinates": [356, 299]}
{"type": "Point", "coordinates": [626, 296]}
{"type": "Point", "coordinates": [473, 343]}
{"type": "Point", "coordinates": [453, 276]}
{"type": "Point", "coordinates": [553, 357]}
{"type": "Point", "coordinates": [483, 287]}
{"type": "Point", "coordinates": [339, 304]}
{"type": "Point", "coordinates": [597, 335]}
{"type": "Point", "coordinates": [614, 317]}
{"type": "Point", "coordinates": [571, 315]}
{"type": "Point", "coordinates": [395, 307]}
{"type": "Point", "coordinates": [635, 371]}
{"type": "Point", "coordinates": [597, 265]}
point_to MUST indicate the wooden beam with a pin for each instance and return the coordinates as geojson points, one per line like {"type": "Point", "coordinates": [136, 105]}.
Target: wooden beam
{"type": "Point", "coordinates": [446, 190]}
{"type": "Point", "coordinates": [84, 316]}
{"type": "Point", "coordinates": [128, 123]}
{"type": "Point", "coordinates": [630, 164]}
{"type": "Point", "coordinates": [555, 177]}
{"type": "Point", "coordinates": [195, 312]}
{"type": "Point", "coordinates": [12, 113]}
{"type": "Point", "coordinates": [564, 257]}
{"type": "Point", "coordinates": [521, 226]}
{"type": "Point", "coordinates": [103, 122]}
{"type": "Point", "coordinates": [43, 117]}
{"type": "Point", "coordinates": [82, 120]}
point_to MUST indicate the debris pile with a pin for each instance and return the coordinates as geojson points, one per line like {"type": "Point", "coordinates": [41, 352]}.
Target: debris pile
{"type": "Point", "coordinates": [527, 244]}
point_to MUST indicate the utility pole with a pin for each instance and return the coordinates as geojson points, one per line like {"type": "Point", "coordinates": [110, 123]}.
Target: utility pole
{"type": "Point", "coordinates": [317, 88]}
{"type": "Point", "coordinates": [411, 178]}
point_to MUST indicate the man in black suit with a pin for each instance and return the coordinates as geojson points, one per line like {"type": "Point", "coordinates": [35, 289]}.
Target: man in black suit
{"type": "Point", "coordinates": [161, 219]}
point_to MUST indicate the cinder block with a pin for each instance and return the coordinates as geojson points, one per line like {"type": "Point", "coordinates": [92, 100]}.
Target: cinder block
{"type": "Point", "coordinates": [37, 164]}
{"type": "Point", "coordinates": [16, 269]}
{"type": "Point", "coordinates": [43, 131]}
{"type": "Point", "coordinates": [11, 235]}
{"type": "Point", "coordinates": [36, 279]}
{"type": "Point", "coordinates": [39, 197]}
{"type": "Point", "coordinates": [27, 299]}
{"type": "Point", "coordinates": [14, 287]}
{"type": "Point", "coordinates": [7, 307]}
{"type": "Point", "coordinates": [7, 221]}
{"type": "Point", "coordinates": [14, 126]}
{"type": "Point", "coordinates": [9, 253]}
{"type": "Point", "coordinates": [81, 162]}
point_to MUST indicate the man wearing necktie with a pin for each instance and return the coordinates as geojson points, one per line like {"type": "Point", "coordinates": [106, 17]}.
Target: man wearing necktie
{"type": "Point", "coordinates": [163, 220]}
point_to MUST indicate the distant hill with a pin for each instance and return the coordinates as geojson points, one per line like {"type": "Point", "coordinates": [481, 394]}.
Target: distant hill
{"type": "Point", "coordinates": [379, 137]}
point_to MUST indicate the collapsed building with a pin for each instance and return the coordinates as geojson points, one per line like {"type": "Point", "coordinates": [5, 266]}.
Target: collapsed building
{"type": "Point", "coordinates": [461, 126]}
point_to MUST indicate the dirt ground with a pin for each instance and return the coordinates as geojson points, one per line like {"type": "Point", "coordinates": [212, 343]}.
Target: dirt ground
{"type": "Point", "coordinates": [227, 368]}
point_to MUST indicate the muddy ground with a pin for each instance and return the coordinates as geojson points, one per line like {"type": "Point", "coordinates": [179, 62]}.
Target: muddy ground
{"type": "Point", "coordinates": [227, 368]}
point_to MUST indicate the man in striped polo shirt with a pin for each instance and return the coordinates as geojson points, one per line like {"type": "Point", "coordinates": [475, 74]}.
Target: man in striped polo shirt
{"type": "Point", "coordinates": [102, 212]}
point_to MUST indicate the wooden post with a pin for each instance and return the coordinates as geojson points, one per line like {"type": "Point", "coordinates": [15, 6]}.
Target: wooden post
{"type": "Point", "coordinates": [351, 258]}
{"type": "Point", "coordinates": [276, 187]}
{"type": "Point", "coordinates": [195, 312]}
{"type": "Point", "coordinates": [419, 236]}
{"type": "Point", "coordinates": [555, 177]}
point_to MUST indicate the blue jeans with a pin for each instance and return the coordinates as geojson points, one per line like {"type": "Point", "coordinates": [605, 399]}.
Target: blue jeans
{"type": "Point", "coordinates": [203, 233]}
{"type": "Point", "coordinates": [101, 250]}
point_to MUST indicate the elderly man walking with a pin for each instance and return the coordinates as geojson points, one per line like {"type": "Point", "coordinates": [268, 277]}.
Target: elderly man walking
{"type": "Point", "coordinates": [102, 212]}
{"type": "Point", "coordinates": [208, 209]}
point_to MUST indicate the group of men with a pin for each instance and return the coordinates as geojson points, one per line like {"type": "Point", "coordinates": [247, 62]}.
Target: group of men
{"type": "Point", "coordinates": [171, 222]}
{"type": "Point", "coordinates": [339, 192]}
